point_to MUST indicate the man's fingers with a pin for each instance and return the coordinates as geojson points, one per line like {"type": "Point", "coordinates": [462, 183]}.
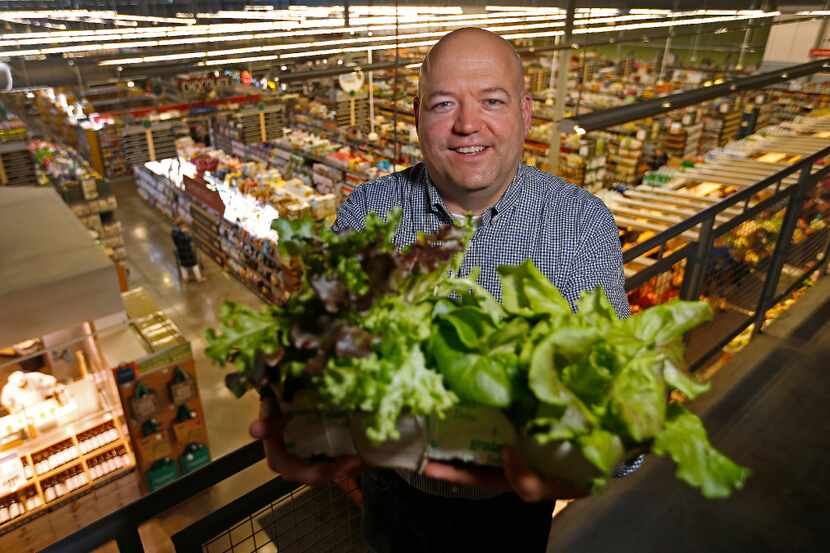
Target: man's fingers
{"type": "Point", "coordinates": [258, 430]}
{"type": "Point", "coordinates": [524, 482]}
{"type": "Point", "coordinates": [530, 486]}
{"type": "Point", "coordinates": [347, 465]}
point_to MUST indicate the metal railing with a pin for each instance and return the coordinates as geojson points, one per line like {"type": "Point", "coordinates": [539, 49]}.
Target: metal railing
{"type": "Point", "coordinates": [743, 287]}
{"type": "Point", "coordinates": [272, 516]}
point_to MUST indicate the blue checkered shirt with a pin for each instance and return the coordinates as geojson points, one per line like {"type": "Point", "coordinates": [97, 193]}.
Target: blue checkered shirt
{"type": "Point", "coordinates": [568, 233]}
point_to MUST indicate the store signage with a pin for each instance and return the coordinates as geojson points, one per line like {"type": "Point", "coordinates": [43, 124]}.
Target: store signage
{"type": "Point", "coordinates": [11, 473]}
{"type": "Point", "coordinates": [202, 84]}
{"type": "Point", "coordinates": [199, 191]}
{"type": "Point", "coordinates": [351, 82]}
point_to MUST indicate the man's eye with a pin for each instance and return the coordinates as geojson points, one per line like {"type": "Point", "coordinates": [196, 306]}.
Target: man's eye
{"type": "Point", "coordinates": [442, 105]}
{"type": "Point", "coordinates": [493, 102]}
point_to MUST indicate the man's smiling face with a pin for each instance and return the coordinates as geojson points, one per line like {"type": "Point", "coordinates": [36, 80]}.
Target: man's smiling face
{"type": "Point", "coordinates": [472, 113]}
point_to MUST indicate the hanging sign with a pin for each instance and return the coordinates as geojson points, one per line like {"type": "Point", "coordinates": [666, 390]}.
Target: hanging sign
{"type": "Point", "coordinates": [351, 82]}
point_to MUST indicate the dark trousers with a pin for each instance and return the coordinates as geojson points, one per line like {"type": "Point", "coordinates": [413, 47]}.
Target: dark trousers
{"type": "Point", "coordinates": [398, 518]}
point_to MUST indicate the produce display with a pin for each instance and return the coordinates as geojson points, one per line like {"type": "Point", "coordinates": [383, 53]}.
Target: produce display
{"type": "Point", "coordinates": [87, 194]}
{"type": "Point", "coordinates": [256, 183]}
{"type": "Point", "coordinates": [754, 243]}
{"type": "Point", "coordinates": [16, 164]}
{"type": "Point", "coordinates": [383, 337]}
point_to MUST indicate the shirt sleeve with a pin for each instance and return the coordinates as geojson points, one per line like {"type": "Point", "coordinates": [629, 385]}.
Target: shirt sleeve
{"type": "Point", "coordinates": [598, 259]}
{"type": "Point", "coordinates": [352, 213]}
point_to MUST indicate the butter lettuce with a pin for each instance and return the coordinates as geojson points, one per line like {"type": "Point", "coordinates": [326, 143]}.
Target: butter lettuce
{"type": "Point", "coordinates": [382, 332]}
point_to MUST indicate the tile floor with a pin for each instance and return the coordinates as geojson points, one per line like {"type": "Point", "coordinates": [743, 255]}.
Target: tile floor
{"type": "Point", "coordinates": [192, 306]}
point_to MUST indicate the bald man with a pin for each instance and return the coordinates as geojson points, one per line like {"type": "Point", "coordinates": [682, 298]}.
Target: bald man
{"type": "Point", "coordinates": [473, 115]}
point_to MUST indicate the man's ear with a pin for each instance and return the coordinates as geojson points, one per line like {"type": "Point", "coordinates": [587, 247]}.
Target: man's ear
{"type": "Point", "coordinates": [416, 107]}
{"type": "Point", "coordinates": [527, 112]}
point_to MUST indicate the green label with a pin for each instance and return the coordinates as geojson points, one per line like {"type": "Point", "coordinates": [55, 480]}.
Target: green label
{"type": "Point", "coordinates": [176, 354]}
{"type": "Point", "coordinates": [192, 461]}
{"type": "Point", "coordinates": [161, 474]}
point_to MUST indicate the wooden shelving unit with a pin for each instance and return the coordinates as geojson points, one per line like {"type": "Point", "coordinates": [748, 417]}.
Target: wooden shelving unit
{"type": "Point", "coordinates": [40, 482]}
{"type": "Point", "coordinates": [16, 165]}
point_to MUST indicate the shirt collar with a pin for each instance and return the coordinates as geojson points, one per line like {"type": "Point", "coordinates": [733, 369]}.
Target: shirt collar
{"type": "Point", "coordinates": [436, 202]}
{"type": "Point", "coordinates": [512, 194]}
{"type": "Point", "coordinates": [507, 200]}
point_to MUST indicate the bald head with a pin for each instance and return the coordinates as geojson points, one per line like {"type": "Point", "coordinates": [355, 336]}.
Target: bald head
{"type": "Point", "coordinates": [471, 44]}
{"type": "Point", "coordinates": [472, 115]}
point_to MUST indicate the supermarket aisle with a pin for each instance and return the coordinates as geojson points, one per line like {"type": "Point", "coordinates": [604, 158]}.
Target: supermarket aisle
{"type": "Point", "coordinates": [192, 306]}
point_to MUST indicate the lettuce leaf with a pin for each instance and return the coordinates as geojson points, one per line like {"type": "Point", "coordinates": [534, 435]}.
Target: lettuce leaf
{"type": "Point", "coordinates": [555, 423]}
{"type": "Point", "coordinates": [483, 377]}
{"type": "Point", "coordinates": [698, 463]}
{"type": "Point", "coordinates": [637, 398]}
{"type": "Point", "coordinates": [385, 387]}
{"type": "Point", "coordinates": [663, 323]}
{"type": "Point", "coordinates": [604, 449]}
{"type": "Point", "coordinates": [679, 380]}
{"type": "Point", "coordinates": [527, 292]}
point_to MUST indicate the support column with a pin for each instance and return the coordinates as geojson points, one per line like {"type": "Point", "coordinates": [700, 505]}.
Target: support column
{"type": "Point", "coordinates": [372, 135]}
{"type": "Point", "coordinates": [561, 86]}
{"type": "Point", "coordinates": [745, 43]}
{"type": "Point", "coordinates": [666, 52]}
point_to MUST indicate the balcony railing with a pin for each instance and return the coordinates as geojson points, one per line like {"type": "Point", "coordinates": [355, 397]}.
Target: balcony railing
{"type": "Point", "coordinates": [288, 517]}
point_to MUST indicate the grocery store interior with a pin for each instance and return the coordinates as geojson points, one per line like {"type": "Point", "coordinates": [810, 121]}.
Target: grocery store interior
{"type": "Point", "coordinates": [125, 126]}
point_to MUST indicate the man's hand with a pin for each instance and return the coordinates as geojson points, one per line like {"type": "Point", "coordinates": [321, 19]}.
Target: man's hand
{"type": "Point", "coordinates": [515, 476]}
{"type": "Point", "coordinates": [269, 429]}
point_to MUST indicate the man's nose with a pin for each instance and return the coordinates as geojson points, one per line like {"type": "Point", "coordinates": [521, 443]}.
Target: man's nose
{"type": "Point", "coordinates": [468, 119]}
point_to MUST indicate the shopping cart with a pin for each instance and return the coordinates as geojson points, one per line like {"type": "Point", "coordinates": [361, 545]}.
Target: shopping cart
{"type": "Point", "coordinates": [180, 269]}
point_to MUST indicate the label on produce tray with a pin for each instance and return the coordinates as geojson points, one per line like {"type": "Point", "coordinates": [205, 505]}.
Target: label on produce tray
{"type": "Point", "coordinates": [470, 434]}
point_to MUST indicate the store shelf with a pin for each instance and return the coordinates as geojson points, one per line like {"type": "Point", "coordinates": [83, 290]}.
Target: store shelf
{"type": "Point", "coordinates": [104, 448]}
{"type": "Point", "coordinates": [77, 462]}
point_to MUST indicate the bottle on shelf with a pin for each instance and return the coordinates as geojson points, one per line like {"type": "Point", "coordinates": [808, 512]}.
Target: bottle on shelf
{"type": "Point", "coordinates": [14, 508]}
{"type": "Point", "coordinates": [95, 470]}
{"type": "Point", "coordinates": [49, 489]}
{"type": "Point", "coordinates": [97, 437]}
{"type": "Point", "coordinates": [60, 486]}
{"type": "Point", "coordinates": [70, 481]}
{"type": "Point", "coordinates": [125, 456]}
{"type": "Point", "coordinates": [33, 500]}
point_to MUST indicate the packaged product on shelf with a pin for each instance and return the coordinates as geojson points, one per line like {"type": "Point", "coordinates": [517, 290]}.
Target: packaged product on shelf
{"type": "Point", "coordinates": [84, 190]}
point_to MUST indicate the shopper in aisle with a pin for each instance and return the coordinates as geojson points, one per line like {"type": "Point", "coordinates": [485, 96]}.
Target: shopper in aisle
{"type": "Point", "coordinates": [185, 254]}
{"type": "Point", "coordinates": [473, 115]}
